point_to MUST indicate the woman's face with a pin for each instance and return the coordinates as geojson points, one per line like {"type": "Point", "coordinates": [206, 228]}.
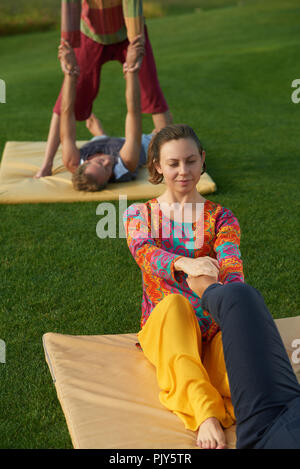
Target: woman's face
{"type": "Point", "coordinates": [180, 164]}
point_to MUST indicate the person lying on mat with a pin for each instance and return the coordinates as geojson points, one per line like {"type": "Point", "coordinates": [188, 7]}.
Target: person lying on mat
{"type": "Point", "coordinates": [100, 31]}
{"type": "Point", "coordinates": [173, 236]}
{"type": "Point", "coordinates": [104, 159]}
{"type": "Point", "coordinates": [265, 391]}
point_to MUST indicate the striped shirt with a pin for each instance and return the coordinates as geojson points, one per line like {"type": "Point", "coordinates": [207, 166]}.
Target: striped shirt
{"type": "Point", "coordinates": [103, 21]}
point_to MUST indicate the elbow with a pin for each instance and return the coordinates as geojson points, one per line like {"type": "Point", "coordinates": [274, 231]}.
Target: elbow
{"type": "Point", "coordinates": [70, 166]}
{"type": "Point", "coordinates": [131, 167]}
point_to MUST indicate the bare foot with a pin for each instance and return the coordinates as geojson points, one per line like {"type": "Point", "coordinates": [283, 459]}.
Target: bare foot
{"type": "Point", "coordinates": [67, 58]}
{"type": "Point", "coordinates": [210, 435]}
{"type": "Point", "coordinates": [94, 125]}
{"type": "Point", "coordinates": [45, 171]}
{"type": "Point", "coordinates": [161, 120]}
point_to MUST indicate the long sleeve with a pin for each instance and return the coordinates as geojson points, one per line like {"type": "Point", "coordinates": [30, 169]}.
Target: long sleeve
{"type": "Point", "coordinates": [150, 258]}
{"type": "Point", "coordinates": [155, 244]}
{"type": "Point", "coordinates": [226, 247]}
{"type": "Point", "coordinates": [133, 17]}
{"type": "Point", "coordinates": [70, 21]}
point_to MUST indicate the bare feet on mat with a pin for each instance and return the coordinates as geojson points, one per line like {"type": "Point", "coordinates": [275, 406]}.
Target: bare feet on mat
{"type": "Point", "coordinates": [211, 435]}
{"type": "Point", "coordinates": [44, 171]}
{"type": "Point", "coordinates": [94, 125]}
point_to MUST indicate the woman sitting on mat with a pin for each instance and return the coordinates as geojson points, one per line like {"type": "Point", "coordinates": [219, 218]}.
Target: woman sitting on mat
{"type": "Point", "coordinates": [174, 239]}
{"type": "Point", "coordinates": [104, 159]}
{"type": "Point", "coordinates": [189, 360]}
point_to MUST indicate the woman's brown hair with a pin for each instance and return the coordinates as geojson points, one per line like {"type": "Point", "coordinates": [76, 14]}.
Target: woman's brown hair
{"type": "Point", "coordinates": [168, 133]}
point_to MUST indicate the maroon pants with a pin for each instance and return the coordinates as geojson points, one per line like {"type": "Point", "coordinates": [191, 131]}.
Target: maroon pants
{"type": "Point", "coordinates": [91, 56]}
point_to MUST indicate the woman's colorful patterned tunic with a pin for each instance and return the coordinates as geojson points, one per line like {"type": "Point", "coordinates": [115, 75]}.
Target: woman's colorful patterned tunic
{"type": "Point", "coordinates": [156, 241]}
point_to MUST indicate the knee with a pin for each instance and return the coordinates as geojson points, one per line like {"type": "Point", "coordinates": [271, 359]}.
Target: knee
{"type": "Point", "coordinates": [176, 304]}
{"type": "Point", "coordinates": [239, 288]}
{"type": "Point", "coordinates": [171, 310]}
{"type": "Point", "coordinates": [175, 299]}
{"type": "Point", "coordinates": [241, 293]}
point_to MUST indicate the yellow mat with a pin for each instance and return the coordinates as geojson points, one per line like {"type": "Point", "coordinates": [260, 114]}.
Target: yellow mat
{"type": "Point", "coordinates": [22, 160]}
{"type": "Point", "coordinates": [109, 395]}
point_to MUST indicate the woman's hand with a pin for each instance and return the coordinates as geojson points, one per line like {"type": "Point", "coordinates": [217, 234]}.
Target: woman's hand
{"type": "Point", "coordinates": [199, 266]}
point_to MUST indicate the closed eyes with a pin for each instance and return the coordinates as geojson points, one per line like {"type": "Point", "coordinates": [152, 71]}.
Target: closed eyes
{"type": "Point", "coordinates": [188, 162]}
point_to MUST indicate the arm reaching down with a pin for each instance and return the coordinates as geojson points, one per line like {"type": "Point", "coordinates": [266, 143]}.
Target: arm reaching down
{"type": "Point", "coordinates": [70, 152]}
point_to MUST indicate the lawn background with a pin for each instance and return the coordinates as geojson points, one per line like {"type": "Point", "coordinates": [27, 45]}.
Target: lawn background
{"type": "Point", "coordinates": [227, 72]}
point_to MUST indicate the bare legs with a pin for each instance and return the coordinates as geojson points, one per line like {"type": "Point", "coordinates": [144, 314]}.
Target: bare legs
{"type": "Point", "coordinates": [95, 126]}
{"type": "Point", "coordinates": [161, 120]}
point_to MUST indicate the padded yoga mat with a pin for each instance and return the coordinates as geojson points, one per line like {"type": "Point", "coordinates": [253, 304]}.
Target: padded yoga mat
{"type": "Point", "coordinates": [22, 160]}
{"type": "Point", "coordinates": [109, 394]}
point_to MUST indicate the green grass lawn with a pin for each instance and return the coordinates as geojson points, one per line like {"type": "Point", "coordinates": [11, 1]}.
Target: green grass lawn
{"type": "Point", "coordinates": [41, 15]}
{"type": "Point", "coordinates": [226, 72]}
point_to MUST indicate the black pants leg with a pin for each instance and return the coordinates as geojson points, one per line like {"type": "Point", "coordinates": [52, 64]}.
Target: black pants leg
{"type": "Point", "coordinates": [262, 382]}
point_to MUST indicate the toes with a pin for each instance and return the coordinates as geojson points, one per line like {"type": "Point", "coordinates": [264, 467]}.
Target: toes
{"type": "Point", "coordinates": [210, 435]}
{"type": "Point", "coordinates": [221, 446]}
{"type": "Point", "coordinates": [207, 444]}
{"type": "Point", "coordinates": [211, 444]}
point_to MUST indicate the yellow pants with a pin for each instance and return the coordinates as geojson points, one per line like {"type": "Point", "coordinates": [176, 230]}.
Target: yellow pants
{"type": "Point", "coordinates": [191, 375]}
